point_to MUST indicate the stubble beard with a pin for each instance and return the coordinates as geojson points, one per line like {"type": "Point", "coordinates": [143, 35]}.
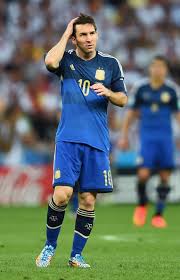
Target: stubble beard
{"type": "Point", "coordinates": [86, 53]}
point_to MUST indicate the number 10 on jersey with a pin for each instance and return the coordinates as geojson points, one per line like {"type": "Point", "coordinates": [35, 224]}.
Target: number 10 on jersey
{"type": "Point", "coordinates": [85, 86]}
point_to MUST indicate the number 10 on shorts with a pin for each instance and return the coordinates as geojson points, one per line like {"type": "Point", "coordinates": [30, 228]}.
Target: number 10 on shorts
{"type": "Point", "coordinates": [107, 178]}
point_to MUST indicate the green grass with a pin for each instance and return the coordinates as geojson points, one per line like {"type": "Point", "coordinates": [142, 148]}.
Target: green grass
{"type": "Point", "coordinates": [135, 253]}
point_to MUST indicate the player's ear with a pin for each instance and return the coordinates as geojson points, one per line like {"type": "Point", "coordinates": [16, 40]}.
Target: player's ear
{"type": "Point", "coordinates": [73, 38]}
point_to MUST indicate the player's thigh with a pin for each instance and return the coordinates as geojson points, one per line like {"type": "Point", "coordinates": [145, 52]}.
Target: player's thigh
{"type": "Point", "coordinates": [166, 154]}
{"type": "Point", "coordinates": [95, 173]}
{"type": "Point", "coordinates": [164, 175]}
{"type": "Point", "coordinates": [67, 164]}
{"type": "Point", "coordinates": [87, 200]}
{"type": "Point", "coordinates": [147, 154]}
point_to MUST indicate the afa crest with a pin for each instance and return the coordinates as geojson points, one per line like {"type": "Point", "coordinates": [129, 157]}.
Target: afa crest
{"type": "Point", "coordinates": [57, 174]}
{"type": "Point", "coordinates": [165, 97]}
{"type": "Point", "coordinates": [100, 75]}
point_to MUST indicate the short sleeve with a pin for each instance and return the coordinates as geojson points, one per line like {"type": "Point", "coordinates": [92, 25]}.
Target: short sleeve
{"type": "Point", "coordinates": [117, 83]}
{"type": "Point", "coordinates": [57, 71]}
{"type": "Point", "coordinates": [175, 102]}
{"type": "Point", "coordinates": [134, 101]}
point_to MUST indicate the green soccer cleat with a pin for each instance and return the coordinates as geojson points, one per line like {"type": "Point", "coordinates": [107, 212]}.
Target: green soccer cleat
{"type": "Point", "coordinates": [78, 261]}
{"type": "Point", "coordinates": [44, 259]}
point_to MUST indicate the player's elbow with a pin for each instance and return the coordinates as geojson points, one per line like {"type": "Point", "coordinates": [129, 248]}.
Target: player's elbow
{"type": "Point", "coordinates": [124, 100]}
{"type": "Point", "coordinates": [50, 62]}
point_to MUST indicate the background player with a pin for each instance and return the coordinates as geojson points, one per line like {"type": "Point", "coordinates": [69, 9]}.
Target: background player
{"type": "Point", "coordinates": [155, 100]}
{"type": "Point", "coordinates": [89, 79]}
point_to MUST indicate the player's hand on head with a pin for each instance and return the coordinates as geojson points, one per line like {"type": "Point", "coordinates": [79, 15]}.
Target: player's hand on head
{"type": "Point", "coordinates": [123, 143]}
{"type": "Point", "coordinates": [69, 28]}
{"type": "Point", "coordinates": [101, 90]}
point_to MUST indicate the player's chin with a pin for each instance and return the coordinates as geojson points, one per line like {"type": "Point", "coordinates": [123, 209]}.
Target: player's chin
{"type": "Point", "coordinates": [89, 50]}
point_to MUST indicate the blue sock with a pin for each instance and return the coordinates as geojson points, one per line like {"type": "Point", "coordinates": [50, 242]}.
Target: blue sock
{"type": "Point", "coordinates": [141, 192]}
{"type": "Point", "coordinates": [163, 191]}
{"type": "Point", "coordinates": [83, 227]}
{"type": "Point", "coordinates": [55, 217]}
{"type": "Point", "coordinates": [160, 206]}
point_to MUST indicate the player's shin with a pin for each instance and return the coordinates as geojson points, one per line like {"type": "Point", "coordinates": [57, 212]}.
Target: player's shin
{"type": "Point", "coordinates": [141, 192]}
{"type": "Point", "coordinates": [140, 212]}
{"type": "Point", "coordinates": [55, 217]}
{"type": "Point", "coordinates": [162, 191]}
{"type": "Point", "coordinates": [83, 227]}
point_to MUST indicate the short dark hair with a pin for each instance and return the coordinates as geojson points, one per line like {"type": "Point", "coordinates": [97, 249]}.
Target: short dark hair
{"type": "Point", "coordinates": [83, 19]}
{"type": "Point", "coordinates": [161, 58]}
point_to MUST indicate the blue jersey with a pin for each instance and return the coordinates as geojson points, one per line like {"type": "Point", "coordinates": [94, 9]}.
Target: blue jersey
{"type": "Point", "coordinates": [84, 113]}
{"type": "Point", "coordinates": [156, 107]}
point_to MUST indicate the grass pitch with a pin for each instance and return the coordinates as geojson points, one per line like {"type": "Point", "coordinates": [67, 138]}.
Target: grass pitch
{"type": "Point", "coordinates": [116, 249]}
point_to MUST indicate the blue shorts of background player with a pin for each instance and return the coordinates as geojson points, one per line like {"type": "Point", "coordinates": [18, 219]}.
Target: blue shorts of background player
{"type": "Point", "coordinates": [80, 162]}
{"type": "Point", "coordinates": [157, 154]}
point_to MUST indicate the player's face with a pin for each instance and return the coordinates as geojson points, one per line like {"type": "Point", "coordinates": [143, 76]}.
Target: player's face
{"type": "Point", "coordinates": [158, 69]}
{"type": "Point", "coordinates": [85, 39]}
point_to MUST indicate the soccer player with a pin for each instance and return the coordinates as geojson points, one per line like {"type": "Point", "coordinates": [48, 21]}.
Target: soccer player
{"type": "Point", "coordinates": [89, 80]}
{"type": "Point", "coordinates": [155, 101]}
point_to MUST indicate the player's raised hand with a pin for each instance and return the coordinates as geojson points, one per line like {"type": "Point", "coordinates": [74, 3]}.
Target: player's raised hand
{"type": "Point", "coordinates": [69, 28]}
{"type": "Point", "coordinates": [101, 90]}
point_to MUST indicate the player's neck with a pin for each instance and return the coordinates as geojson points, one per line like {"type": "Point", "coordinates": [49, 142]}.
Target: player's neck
{"type": "Point", "coordinates": [85, 56]}
{"type": "Point", "coordinates": [156, 83]}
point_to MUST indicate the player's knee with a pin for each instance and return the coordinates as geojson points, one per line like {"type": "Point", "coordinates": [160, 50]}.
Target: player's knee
{"type": "Point", "coordinates": [164, 176]}
{"type": "Point", "coordinates": [143, 176]}
{"type": "Point", "coordinates": [164, 179]}
{"type": "Point", "coordinates": [143, 179]}
{"type": "Point", "coordinates": [87, 202]}
{"type": "Point", "coordinates": [61, 197]}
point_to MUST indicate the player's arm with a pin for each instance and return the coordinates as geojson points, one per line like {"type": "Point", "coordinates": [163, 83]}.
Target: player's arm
{"type": "Point", "coordinates": [175, 104]}
{"type": "Point", "coordinates": [130, 116]}
{"type": "Point", "coordinates": [55, 55]}
{"type": "Point", "coordinates": [177, 116]}
{"type": "Point", "coordinates": [116, 93]}
{"type": "Point", "coordinates": [117, 98]}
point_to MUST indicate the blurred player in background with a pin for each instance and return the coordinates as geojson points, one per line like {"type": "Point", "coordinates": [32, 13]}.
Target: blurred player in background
{"type": "Point", "coordinates": [89, 80]}
{"type": "Point", "coordinates": [154, 102]}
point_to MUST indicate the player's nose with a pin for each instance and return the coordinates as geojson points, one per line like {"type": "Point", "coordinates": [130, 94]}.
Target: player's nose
{"type": "Point", "coordinates": [89, 38]}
